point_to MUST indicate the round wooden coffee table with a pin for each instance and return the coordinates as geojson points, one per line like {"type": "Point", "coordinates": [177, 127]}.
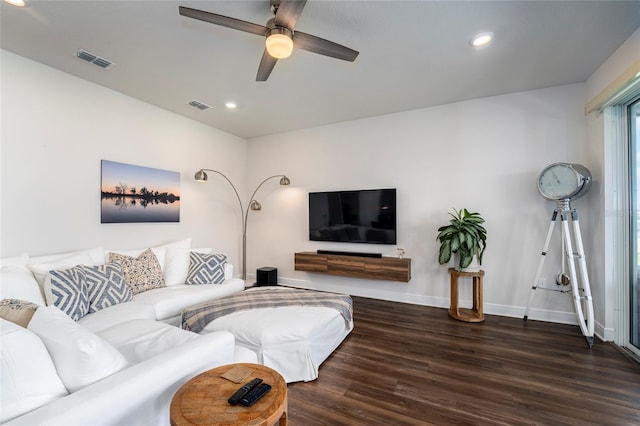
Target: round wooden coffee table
{"type": "Point", "coordinates": [203, 400]}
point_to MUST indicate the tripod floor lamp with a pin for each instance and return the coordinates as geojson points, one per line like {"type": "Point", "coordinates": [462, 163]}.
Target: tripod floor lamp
{"type": "Point", "coordinates": [201, 176]}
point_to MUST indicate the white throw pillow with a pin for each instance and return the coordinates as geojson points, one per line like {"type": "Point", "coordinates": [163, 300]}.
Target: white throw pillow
{"type": "Point", "coordinates": [176, 264]}
{"type": "Point", "coordinates": [96, 255]}
{"type": "Point", "coordinates": [228, 271]}
{"type": "Point", "coordinates": [20, 260]}
{"type": "Point", "coordinates": [17, 282]}
{"type": "Point", "coordinates": [159, 251]}
{"type": "Point", "coordinates": [40, 270]}
{"type": "Point", "coordinates": [80, 357]}
{"type": "Point", "coordinates": [28, 376]}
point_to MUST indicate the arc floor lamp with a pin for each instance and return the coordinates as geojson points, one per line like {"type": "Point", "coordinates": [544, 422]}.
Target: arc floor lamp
{"type": "Point", "coordinates": [201, 176]}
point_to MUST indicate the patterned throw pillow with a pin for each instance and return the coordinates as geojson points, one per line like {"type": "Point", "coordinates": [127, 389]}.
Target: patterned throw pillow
{"type": "Point", "coordinates": [17, 311]}
{"type": "Point", "coordinates": [69, 292]}
{"type": "Point", "coordinates": [206, 268]}
{"type": "Point", "coordinates": [106, 286]}
{"type": "Point", "coordinates": [141, 273]}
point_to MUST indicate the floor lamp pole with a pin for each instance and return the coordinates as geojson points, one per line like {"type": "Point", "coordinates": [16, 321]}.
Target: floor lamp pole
{"type": "Point", "coordinates": [201, 176]}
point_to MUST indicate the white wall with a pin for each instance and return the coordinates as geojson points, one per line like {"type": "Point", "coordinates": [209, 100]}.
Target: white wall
{"type": "Point", "coordinates": [604, 202]}
{"type": "Point", "coordinates": [55, 130]}
{"type": "Point", "coordinates": [484, 155]}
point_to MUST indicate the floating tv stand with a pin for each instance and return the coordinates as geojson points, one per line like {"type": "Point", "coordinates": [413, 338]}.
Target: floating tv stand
{"type": "Point", "coordinates": [379, 268]}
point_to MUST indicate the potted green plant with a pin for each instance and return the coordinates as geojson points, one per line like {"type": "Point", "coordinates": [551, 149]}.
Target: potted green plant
{"type": "Point", "coordinates": [465, 235]}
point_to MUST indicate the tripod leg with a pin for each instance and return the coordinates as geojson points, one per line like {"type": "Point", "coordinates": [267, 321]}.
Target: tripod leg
{"type": "Point", "coordinates": [541, 263]}
{"type": "Point", "coordinates": [587, 306]}
{"type": "Point", "coordinates": [575, 291]}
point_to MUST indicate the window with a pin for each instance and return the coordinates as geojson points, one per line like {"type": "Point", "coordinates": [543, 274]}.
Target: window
{"type": "Point", "coordinates": [633, 305]}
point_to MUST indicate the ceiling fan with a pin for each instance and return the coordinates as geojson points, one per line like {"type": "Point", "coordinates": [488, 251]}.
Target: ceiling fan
{"type": "Point", "coordinates": [279, 33]}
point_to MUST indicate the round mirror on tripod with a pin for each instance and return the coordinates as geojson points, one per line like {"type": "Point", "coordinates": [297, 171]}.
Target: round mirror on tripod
{"type": "Point", "coordinates": [564, 181]}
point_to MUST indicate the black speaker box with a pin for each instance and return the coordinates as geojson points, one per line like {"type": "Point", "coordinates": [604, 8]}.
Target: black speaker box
{"type": "Point", "coordinates": [267, 276]}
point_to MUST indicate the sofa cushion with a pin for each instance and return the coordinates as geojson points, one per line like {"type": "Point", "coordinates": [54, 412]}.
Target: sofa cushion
{"type": "Point", "coordinates": [116, 314]}
{"type": "Point", "coordinates": [18, 282]}
{"type": "Point", "coordinates": [176, 264]}
{"type": "Point", "coordinates": [28, 376]}
{"type": "Point", "coordinates": [169, 302]}
{"type": "Point", "coordinates": [139, 340]}
{"type": "Point", "coordinates": [244, 355]}
{"type": "Point", "coordinates": [141, 273]}
{"type": "Point", "coordinates": [106, 286]}
{"type": "Point", "coordinates": [80, 357]}
{"type": "Point", "coordinates": [66, 289]}
{"type": "Point", "coordinates": [17, 311]}
{"type": "Point", "coordinates": [206, 268]}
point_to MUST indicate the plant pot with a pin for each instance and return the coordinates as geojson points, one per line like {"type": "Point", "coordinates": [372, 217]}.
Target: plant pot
{"type": "Point", "coordinates": [474, 266]}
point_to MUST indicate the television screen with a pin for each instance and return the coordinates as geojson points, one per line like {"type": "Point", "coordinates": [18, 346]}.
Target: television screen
{"type": "Point", "coordinates": [365, 216]}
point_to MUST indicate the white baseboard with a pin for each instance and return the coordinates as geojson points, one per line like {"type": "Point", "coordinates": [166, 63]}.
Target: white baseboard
{"type": "Point", "coordinates": [559, 317]}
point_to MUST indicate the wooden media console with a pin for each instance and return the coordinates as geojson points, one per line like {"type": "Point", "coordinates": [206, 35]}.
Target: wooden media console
{"type": "Point", "coordinates": [379, 268]}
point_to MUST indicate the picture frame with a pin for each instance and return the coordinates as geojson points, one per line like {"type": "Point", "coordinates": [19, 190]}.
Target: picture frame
{"type": "Point", "coordinates": [137, 194]}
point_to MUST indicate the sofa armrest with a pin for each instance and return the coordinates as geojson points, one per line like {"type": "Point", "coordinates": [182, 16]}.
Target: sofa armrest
{"type": "Point", "coordinates": [140, 394]}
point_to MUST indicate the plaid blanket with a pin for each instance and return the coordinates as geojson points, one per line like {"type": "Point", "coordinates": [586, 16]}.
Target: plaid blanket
{"type": "Point", "coordinates": [195, 318]}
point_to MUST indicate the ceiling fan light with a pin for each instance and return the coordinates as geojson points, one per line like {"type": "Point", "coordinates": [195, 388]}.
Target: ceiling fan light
{"type": "Point", "coordinates": [19, 3]}
{"type": "Point", "coordinates": [279, 43]}
{"type": "Point", "coordinates": [482, 39]}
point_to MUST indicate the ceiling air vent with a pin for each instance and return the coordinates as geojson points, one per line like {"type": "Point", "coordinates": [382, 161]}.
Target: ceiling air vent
{"type": "Point", "coordinates": [94, 59]}
{"type": "Point", "coordinates": [199, 105]}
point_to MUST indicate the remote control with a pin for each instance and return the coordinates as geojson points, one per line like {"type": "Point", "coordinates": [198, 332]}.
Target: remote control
{"type": "Point", "coordinates": [233, 400]}
{"type": "Point", "coordinates": [258, 392]}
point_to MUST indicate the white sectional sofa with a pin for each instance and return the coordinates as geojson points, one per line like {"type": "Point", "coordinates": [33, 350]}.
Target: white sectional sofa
{"type": "Point", "coordinates": [52, 368]}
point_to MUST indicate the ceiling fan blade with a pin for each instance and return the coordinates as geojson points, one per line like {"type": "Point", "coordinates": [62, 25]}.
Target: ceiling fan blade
{"type": "Point", "coordinates": [323, 47]}
{"type": "Point", "coordinates": [266, 66]}
{"type": "Point", "coordinates": [225, 21]}
{"type": "Point", "coordinates": [288, 13]}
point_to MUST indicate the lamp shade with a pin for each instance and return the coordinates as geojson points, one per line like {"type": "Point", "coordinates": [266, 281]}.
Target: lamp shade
{"type": "Point", "coordinates": [284, 181]}
{"type": "Point", "coordinates": [255, 205]}
{"type": "Point", "coordinates": [279, 43]}
{"type": "Point", "coordinates": [201, 176]}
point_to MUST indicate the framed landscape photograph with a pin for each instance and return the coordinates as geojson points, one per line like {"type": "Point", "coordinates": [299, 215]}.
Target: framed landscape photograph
{"type": "Point", "coordinates": [138, 194]}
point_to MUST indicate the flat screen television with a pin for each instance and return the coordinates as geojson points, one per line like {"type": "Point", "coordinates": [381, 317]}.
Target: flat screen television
{"type": "Point", "coordinates": [363, 216]}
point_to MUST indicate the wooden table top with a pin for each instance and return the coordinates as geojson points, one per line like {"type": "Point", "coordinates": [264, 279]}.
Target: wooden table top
{"type": "Point", "coordinates": [203, 400]}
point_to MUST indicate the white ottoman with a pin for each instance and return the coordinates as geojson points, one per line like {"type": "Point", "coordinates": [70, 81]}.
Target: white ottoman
{"type": "Point", "coordinates": [293, 340]}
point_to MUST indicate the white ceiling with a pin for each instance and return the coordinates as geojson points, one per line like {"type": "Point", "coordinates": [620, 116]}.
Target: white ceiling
{"type": "Point", "coordinates": [413, 54]}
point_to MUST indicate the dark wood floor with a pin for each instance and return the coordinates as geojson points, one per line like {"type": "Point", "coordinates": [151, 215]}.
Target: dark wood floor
{"type": "Point", "coordinates": [413, 365]}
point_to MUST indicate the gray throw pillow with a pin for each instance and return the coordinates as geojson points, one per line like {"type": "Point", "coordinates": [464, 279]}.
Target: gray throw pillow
{"type": "Point", "coordinates": [106, 286]}
{"type": "Point", "coordinates": [206, 268]}
{"type": "Point", "coordinates": [68, 291]}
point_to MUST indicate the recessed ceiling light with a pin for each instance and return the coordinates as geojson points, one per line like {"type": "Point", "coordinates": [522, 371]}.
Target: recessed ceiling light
{"type": "Point", "coordinates": [481, 39]}
{"type": "Point", "coordinates": [19, 3]}
{"type": "Point", "coordinates": [230, 105]}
